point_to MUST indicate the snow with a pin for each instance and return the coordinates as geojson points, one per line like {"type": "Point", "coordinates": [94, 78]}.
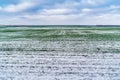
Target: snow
{"type": "Point", "coordinates": [61, 64]}
{"type": "Point", "coordinates": [27, 59]}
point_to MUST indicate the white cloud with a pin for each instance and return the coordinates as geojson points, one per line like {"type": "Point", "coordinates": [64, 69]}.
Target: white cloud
{"type": "Point", "coordinates": [88, 2]}
{"type": "Point", "coordinates": [86, 10]}
{"type": "Point", "coordinates": [68, 4]}
{"type": "Point", "coordinates": [56, 11]}
{"type": "Point", "coordinates": [0, 8]}
{"type": "Point", "coordinates": [18, 7]}
{"type": "Point", "coordinates": [68, 12]}
{"type": "Point", "coordinates": [52, 14]}
{"type": "Point", "coordinates": [114, 7]}
{"type": "Point", "coordinates": [76, 19]}
{"type": "Point", "coordinates": [92, 2]}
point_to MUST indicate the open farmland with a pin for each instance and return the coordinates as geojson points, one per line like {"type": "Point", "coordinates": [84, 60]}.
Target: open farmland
{"type": "Point", "coordinates": [59, 53]}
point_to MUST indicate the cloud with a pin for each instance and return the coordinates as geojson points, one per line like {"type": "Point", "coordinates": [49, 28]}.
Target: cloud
{"type": "Point", "coordinates": [61, 12]}
{"type": "Point", "coordinates": [114, 7]}
{"type": "Point", "coordinates": [88, 2]}
{"type": "Point", "coordinates": [56, 11]}
{"type": "Point", "coordinates": [52, 14]}
{"type": "Point", "coordinates": [0, 8]}
{"type": "Point", "coordinates": [92, 2]}
{"type": "Point", "coordinates": [17, 7]}
{"type": "Point", "coordinates": [105, 19]}
{"type": "Point", "coordinates": [76, 19]}
{"type": "Point", "coordinates": [86, 10]}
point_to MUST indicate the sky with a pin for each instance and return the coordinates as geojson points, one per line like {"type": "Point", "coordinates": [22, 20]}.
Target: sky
{"type": "Point", "coordinates": [60, 12]}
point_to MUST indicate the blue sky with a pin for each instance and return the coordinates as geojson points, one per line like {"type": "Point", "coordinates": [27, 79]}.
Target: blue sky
{"type": "Point", "coordinates": [60, 12]}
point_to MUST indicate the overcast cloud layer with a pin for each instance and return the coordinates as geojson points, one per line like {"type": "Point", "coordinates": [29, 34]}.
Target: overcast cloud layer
{"type": "Point", "coordinates": [60, 12]}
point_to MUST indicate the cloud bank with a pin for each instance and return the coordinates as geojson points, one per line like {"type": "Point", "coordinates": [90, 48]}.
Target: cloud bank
{"type": "Point", "coordinates": [66, 12]}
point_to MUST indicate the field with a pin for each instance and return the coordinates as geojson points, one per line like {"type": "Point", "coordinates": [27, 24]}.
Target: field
{"type": "Point", "coordinates": [59, 53]}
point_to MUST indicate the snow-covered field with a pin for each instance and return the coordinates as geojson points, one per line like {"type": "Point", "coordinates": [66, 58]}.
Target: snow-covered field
{"type": "Point", "coordinates": [59, 54]}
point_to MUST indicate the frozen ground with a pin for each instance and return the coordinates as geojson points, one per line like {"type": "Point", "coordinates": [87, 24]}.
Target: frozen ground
{"type": "Point", "coordinates": [59, 54]}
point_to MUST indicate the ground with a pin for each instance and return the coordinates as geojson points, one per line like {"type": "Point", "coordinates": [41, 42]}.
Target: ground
{"type": "Point", "coordinates": [59, 53]}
